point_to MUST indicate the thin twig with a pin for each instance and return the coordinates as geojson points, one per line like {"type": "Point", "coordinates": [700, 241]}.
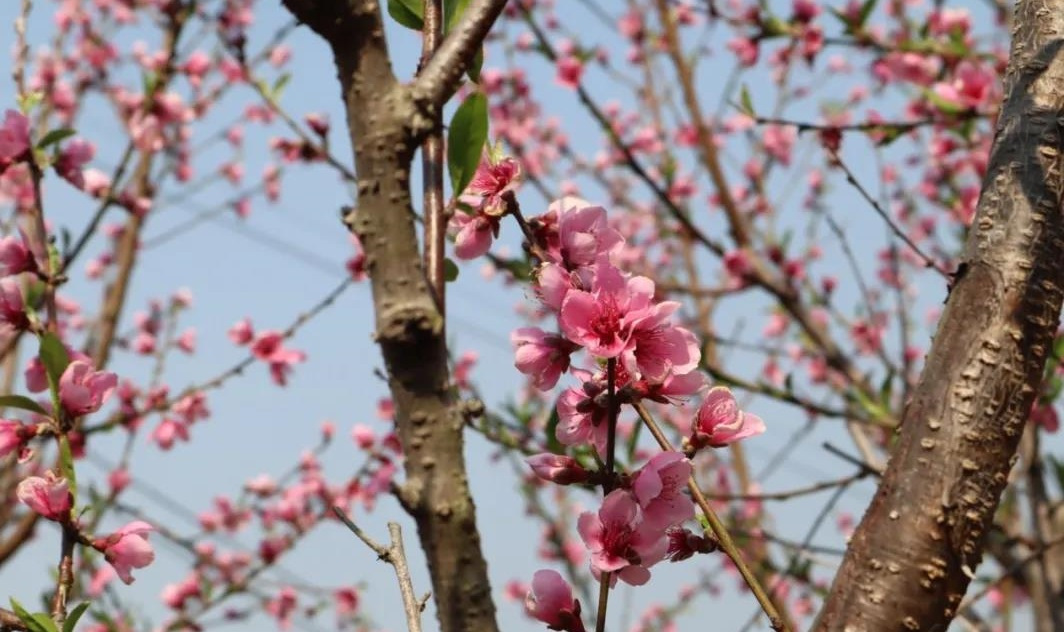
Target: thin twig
{"type": "Point", "coordinates": [717, 527]}
{"type": "Point", "coordinates": [395, 556]}
{"type": "Point", "coordinates": [852, 179]}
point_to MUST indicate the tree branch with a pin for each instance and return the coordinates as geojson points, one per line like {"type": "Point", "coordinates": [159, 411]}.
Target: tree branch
{"type": "Point", "coordinates": [913, 555]}
{"type": "Point", "coordinates": [386, 123]}
{"type": "Point", "coordinates": [396, 556]}
{"type": "Point", "coordinates": [440, 78]}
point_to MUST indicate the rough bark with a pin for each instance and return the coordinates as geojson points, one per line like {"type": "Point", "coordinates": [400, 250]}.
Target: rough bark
{"type": "Point", "coordinates": [386, 121]}
{"type": "Point", "coordinates": [912, 557]}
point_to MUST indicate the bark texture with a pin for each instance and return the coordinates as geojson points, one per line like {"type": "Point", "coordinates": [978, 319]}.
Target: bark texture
{"type": "Point", "coordinates": [387, 120]}
{"type": "Point", "coordinates": [911, 559]}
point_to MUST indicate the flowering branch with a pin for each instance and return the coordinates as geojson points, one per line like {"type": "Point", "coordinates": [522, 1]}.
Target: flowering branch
{"type": "Point", "coordinates": [720, 532]}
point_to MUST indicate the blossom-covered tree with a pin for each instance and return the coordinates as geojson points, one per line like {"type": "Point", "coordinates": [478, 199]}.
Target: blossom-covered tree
{"type": "Point", "coordinates": [722, 222]}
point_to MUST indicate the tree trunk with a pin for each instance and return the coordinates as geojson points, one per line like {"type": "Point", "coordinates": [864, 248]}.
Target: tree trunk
{"type": "Point", "coordinates": [911, 559]}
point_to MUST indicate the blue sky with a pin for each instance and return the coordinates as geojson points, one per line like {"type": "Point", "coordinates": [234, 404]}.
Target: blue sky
{"type": "Point", "coordinates": [283, 260]}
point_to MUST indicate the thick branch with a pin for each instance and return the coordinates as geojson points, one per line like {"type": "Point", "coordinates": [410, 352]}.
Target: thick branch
{"type": "Point", "coordinates": [439, 79]}
{"type": "Point", "coordinates": [385, 123]}
{"type": "Point", "coordinates": [912, 557]}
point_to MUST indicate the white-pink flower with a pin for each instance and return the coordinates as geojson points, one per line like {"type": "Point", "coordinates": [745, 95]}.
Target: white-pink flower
{"type": "Point", "coordinates": [48, 495]}
{"type": "Point", "coordinates": [14, 137]}
{"type": "Point", "coordinates": [658, 487]}
{"type": "Point", "coordinates": [127, 548]}
{"type": "Point", "coordinates": [542, 356]}
{"type": "Point", "coordinates": [551, 601]}
{"type": "Point", "coordinates": [620, 540]}
{"type": "Point", "coordinates": [83, 390]}
{"type": "Point", "coordinates": [719, 420]}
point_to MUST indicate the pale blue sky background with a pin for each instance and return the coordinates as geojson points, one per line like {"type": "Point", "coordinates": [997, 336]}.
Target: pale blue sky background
{"type": "Point", "coordinates": [284, 259]}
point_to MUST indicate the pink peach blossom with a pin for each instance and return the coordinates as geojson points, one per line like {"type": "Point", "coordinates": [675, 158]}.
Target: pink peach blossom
{"type": "Point", "coordinates": [620, 540]}
{"type": "Point", "coordinates": [72, 159]}
{"type": "Point", "coordinates": [127, 548]}
{"type": "Point", "coordinates": [600, 320]}
{"type": "Point", "coordinates": [659, 489]}
{"type": "Point", "coordinates": [48, 495]}
{"type": "Point", "coordinates": [551, 601]}
{"type": "Point", "coordinates": [12, 309]}
{"type": "Point", "coordinates": [14, 137]}
{"type": "Point", "coordinates": [83, 390]}
{"type": "Point", "coordinates": [495, 176]}
{"type": "Point", "coordinates": [542, 356]}
{"type": "Point", "coordinates": [720, 422]}
{"type": "Point", "coordinates": [12, 436]}
{"type": "Point", "coordinates": [16, 256]}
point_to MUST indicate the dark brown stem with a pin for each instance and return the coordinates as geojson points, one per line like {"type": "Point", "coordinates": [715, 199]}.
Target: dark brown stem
{"type": "Point", "coordinates": [435, 235]}
{"type": "Point", "coordinates": [608, 482]}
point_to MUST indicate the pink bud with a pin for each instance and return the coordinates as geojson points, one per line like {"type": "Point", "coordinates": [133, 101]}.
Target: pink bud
{"type": "Point", "coordinates": [720, 422]}
{"type": "Point", "coordinates": [551, 601]}
{"type": "Point", "coordinates": [11, 436]}
{"type": "Point", "coordinates": [48, 495]}
{"type": "Point", "coordinates": [557, 468]}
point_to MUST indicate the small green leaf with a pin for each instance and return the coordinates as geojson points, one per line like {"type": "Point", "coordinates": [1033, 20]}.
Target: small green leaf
{"type": "Point", "coordinates": [450, 270]}
{"type": "Point", "coordinates": [553, 445]}
{"type": "Point", "coordinates": [33, 622]}
{"type": "Point", "coordinates": [55, 136]}
{"type": "Point", "coordinates": [633, 442]}
{"type": "Point", "coordinates": [54, 357]}
{"type": "Point", "coordinates": [279, 86]}
{"type": "Point", "coordinates": [473, 72]}
{"type": "Point", "coordinates": [75, 614]}
{"type": "Point", "coordinates": [453, 10]}
{"type": "Point", "coordinates": [22, 403]}
{"type": "Point", "coordinates": [465, 140]}
{"type": "Point", "coordinates": [408, 13]}
{"type": "Point", "coordinates": [45, 621]}
{"type": "Point", "coordinates": [943, 105]}
{"type": "Point", "coordinates": [1058, 469]}
{"type": "Point", "coordinates": [66, 465]}
{"type": "Point", "coordinates": [27, 102]}
{"type": "Point", "coordinates": [866, 11]}
{"type": "Point", "coordinates": [746, 103]}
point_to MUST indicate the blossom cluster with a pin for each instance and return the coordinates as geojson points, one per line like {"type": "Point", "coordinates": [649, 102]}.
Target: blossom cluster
{"type": "Point", "coordinates": [636, 352]}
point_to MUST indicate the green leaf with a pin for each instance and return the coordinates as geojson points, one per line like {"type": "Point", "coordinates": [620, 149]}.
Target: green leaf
{"type": "Point", "coordinates": [633, 442]}
{"type": "Point", "coordinates": [875, 410]}
{"type": "Point", "coordinates": [465, 140]}
{"type": "Point", "coordinates": [453, 10]}
{"type": "Point", "coordinates": [450, 270]}
{"type": "Point", "coordinates": [943, 105]}
{"type": "Point", "coordinates": [278, 86]}
{"type": "Point", "coordinates": [473, 72]}
{"type": "Point", "coordinates": [408, 13]}
{"type": "Point", "coordinates": [1058, 469]}
{"type": "Point", "coordinates": [553, 445]}
{"type": "Point", "coordinates": [75, 614]}
{"type": "Point", "coordinates": [866, 11]}
{"type": "Point", "coordinates": [54, 357]}
{"type": "Point", "coordinates": [66, 465]}
{"type": "Point", "coordinates": [54, 137]}
{"type": "Point", "coordinates": [745, 102]}
{"type": "Point", "coordinates": [22, 403]}
{"type": "Point", "coordinates": [28, 102]}
{"type": "Point", "coordinates": [36, 622]}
